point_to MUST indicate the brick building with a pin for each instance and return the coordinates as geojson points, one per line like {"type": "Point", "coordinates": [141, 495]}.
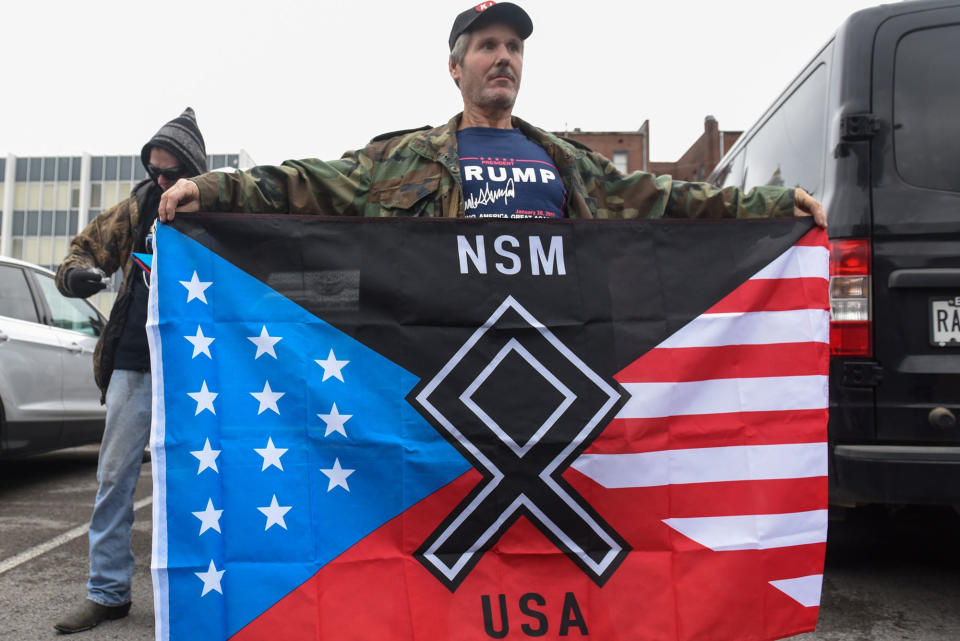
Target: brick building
{"type": "Point", "coordinates": [630, 150]}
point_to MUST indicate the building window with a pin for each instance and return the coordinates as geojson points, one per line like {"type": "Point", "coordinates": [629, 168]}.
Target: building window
{"type": "Point", "coordinates": [95, 195]}
{"type": "Point", "coordinates": [621, 160]}
{"type": "Point", "coordinates": [126, 167]}
{"type": "Point", "coordinates": [110, 173]}
{"type": "Point", "coordinates": [35, 169]}
{"type": "Point", "coordinates": [46, 223]}
{"type": "Point", "coordinates": [60, 223]}
{"type": "Point", "coordinates": [96, 168]}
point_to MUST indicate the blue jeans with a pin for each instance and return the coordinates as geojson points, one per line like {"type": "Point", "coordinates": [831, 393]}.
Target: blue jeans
{"type": "Point", "coordinates": [121, 454]}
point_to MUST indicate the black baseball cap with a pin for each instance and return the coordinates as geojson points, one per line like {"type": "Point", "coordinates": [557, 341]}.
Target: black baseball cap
{"type": "Point", "coordinates": [489, 12]}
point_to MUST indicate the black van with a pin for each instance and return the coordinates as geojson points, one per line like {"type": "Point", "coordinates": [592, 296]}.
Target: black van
{"type": "Point", "coordinates": [871, 127]}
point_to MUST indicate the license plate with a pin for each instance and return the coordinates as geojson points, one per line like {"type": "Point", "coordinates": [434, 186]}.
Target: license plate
{"type": "Point", "coordinates": [945, 322]}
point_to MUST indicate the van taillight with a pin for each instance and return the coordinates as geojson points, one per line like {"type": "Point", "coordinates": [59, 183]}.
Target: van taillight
{"type": "Point", "coordinates": [851, 316]}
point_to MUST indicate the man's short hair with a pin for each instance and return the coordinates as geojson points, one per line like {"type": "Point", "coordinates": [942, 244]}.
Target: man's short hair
{"type": "Point", "coordinates": [459, 51]}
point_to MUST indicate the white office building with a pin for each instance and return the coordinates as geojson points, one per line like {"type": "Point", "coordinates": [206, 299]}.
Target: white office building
{"type": "Point", "coordinates": [46, 201]}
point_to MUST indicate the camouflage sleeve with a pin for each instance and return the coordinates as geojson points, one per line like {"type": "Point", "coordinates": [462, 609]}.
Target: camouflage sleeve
{"type": "Point", "coordinates": [104, 243]}
{"type": "Point", "coordinates": [641, 194]}
{"type": "Point", "coordinates": [309, 186]}
{"type": "Point", "coordinates": [703, 200]}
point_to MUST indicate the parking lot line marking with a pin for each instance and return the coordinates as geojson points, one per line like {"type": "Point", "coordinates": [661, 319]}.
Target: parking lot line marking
{"type": "Point", "coordinates": [57, 541]}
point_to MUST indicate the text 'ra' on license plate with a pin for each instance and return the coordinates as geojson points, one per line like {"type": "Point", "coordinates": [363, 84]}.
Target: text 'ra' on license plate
{"type": "Point", "coordinates": [945, 322]}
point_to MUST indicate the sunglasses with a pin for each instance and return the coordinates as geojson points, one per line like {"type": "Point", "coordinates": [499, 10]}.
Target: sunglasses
{"type": "Point", "coordinates": [170, 173]}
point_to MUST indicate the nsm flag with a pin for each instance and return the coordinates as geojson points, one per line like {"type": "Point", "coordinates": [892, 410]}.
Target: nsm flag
{"type": "Point", "coordinates": [465, 430]}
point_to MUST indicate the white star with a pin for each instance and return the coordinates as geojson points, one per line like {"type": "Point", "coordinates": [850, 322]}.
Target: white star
{"type": "Point", "coordinates": [335, 421]}
{"type": "Point", "coordinates": [268, 399]}
{"type": "Point", "coordinates": [337, 476]}
{"type": "Point", "coordinates": [211, 579]}
{"type": "Point", "coordinates": [201, 343]}
{"type": "Point", "coordinates": [271, 455]}
{"type": "Point", "coordinates": [196, 287]}
{"type": "Point", "coordinates": [207, 457]}
{"type": "Point", "coordinates": [209, 518]}
{"type": "Point", "coordinates": [274, 513]}
{"type": "Point", "coordinates": [204, 399]}
{"type": "Point", "coordinates": [264, 343]}
{"type": "Point", "coordinates": [332, 367]}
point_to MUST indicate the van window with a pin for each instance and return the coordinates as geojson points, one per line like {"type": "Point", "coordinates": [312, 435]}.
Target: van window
{"type": "Point", "coordinates": [732, 174]}
{"type": "Point", "coordinates": [926, 108]}
{"type": "Point", "coordinates": [15, 298]}
{"type": "Point", "coordinates": [788, 148]}
{"type": "Point", "coordinates": [68, 313]}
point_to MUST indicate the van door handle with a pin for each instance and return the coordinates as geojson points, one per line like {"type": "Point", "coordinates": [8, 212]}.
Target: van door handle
{"type": "Point", "coordinates": [934, 277]}
{"type": "Point", "coordinates": [3, 336]}
{"type": "Point", "coordinates": [75, 348]}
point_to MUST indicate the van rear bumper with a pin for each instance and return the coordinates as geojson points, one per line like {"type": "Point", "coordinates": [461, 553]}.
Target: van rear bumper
{"type": "Point", "coordinates": [896, 474]}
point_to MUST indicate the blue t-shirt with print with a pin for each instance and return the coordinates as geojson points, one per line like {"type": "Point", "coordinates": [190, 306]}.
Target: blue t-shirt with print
{"type": "Point", "coordinates": [506, 175]}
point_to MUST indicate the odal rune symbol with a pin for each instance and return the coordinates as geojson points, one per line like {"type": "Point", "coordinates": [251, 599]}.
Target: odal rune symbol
{"type": "Point", "coordinates": [520, 406]}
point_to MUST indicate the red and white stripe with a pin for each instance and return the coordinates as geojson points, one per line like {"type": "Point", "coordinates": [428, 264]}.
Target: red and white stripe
{"type": "Point", "coordinates": [736, 400]}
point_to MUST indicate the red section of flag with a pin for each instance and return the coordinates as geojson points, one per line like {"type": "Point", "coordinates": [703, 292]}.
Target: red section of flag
{"type": "Point", "coordinates": [727, 361]}
{"type": "Point", "coordinates": [710, 430]}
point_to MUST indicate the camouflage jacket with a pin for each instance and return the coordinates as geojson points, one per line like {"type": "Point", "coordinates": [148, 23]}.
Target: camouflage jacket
{"type": "Point", "coordinates": [417, 173]}
{"type": "Point", "coordinates": [107, 243]}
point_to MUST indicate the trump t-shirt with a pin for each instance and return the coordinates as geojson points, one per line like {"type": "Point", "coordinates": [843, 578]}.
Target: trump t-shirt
{"type": "Point", "coordinates": [505, 175]}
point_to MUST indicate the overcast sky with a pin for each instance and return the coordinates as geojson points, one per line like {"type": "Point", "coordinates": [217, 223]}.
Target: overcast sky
{"type": "Point", "coordinates": [292, 78]}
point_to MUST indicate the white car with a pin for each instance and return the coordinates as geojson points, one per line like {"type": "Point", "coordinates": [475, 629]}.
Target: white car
{"type": "Point", "coordinates": [48, 399]}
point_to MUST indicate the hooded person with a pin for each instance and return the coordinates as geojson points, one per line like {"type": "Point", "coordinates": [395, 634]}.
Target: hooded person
{"type": "Point", "coordinates": [122, 360]}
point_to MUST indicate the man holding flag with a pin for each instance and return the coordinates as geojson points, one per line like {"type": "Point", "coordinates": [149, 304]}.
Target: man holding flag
{"type": "Point", "coordinates": [422, 431]}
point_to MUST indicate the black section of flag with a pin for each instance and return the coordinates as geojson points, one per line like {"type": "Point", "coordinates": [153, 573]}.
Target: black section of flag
{"type": "Point", "coordinates": [395, 284]}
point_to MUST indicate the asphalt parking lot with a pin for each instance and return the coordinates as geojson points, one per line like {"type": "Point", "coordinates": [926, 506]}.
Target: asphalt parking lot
{"type": "Point", "coordinates": [890, 576]}
{"type": "Point", "coordinates": [45, 505]}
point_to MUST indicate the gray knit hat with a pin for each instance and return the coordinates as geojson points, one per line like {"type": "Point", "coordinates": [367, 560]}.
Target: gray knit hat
{"type": "Point", "coordinates": [182, 138]}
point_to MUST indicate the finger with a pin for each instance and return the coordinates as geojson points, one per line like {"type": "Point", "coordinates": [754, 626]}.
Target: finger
{"type": "Point", "coordinates": [807, 205]}
{"type": "Point", "coordinates": [163, 207]}
{"type": "Point", "coordinates": [169, 201]}
{"type": "Point", "coordinates": [816, 210]}
{"type": "Point", "coordinates": [820, 216]}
